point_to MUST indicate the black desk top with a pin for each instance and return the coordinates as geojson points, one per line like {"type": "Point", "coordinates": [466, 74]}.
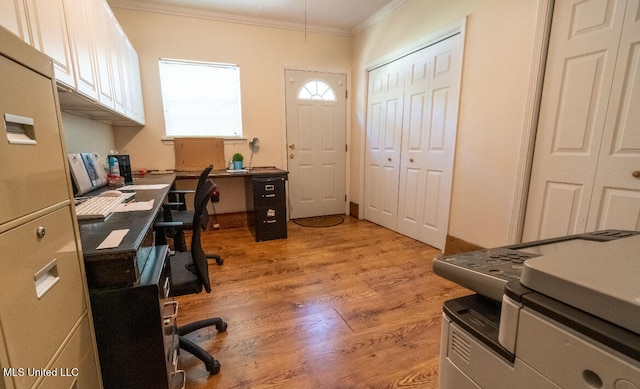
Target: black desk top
{"type": "Point", "coordinates": [99, 263]}
{"type": "Point", "coordinates": [222, 173]}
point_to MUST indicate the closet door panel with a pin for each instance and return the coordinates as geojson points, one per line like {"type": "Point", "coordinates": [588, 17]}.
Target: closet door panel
{"type": "Point", "coordinates": [580, 68]}
{"type": "Point", "coordinates": [384, 132]}
{"type": "Point", "coordinates": [616, 193]}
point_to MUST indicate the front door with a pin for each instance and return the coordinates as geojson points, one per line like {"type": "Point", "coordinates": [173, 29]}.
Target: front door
{"type": "Point", "coordinates": [316, 142]}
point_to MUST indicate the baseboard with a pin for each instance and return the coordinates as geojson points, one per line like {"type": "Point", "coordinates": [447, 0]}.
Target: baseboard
{"type": "Point", "coordinates": [455, 245]}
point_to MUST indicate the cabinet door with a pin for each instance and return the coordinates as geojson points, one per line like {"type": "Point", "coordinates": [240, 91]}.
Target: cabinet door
{"type": "Point", "coordinates": [50, 35]}
{"type": "Point", "coordinates": [13, 17]}
{"type": "Point", "coordinates": [83, 25]}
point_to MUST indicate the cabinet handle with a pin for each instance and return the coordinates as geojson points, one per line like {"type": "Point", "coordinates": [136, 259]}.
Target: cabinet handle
{"type": "Point", "coordinates": [46, 278]}
{"type": "Point", "coordinates": [168, 318]}
{"type": "Point", "coordinates": [270, 195]}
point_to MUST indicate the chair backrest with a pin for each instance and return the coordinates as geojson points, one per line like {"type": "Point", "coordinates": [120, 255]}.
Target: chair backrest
{"type": "Point", "coordinates": [200, 261]}
{"type": "Point", "coordinates": [199, 188]}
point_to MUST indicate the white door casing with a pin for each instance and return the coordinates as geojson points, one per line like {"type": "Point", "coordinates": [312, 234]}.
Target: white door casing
{"type": "Point", "coordinates": [316, 142]}
{"type": "Point", "coordinates": [581, 120]}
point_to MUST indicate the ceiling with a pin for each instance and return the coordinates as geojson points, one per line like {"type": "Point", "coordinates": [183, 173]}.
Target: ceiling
{"type": "Point", "coordinates": [339, 16]}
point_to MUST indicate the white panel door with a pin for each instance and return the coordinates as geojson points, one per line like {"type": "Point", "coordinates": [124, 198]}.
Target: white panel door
{"type": "Point", "coordinates": [428, 142]}
{"type": "Point", "coordinates": [316, 143]}
{"type": "Point", "coordinates": [616, 192]}
{"type": "Point", "coordinates": [579, 73]}
{"type": "Point", "coordinates": [383, 144]}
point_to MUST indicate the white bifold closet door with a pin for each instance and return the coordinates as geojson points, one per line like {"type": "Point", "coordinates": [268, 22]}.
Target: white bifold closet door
{"type": "Point", "coordinates": [587, 149]}
{"type": "Point", "coordinates": [410, 141]}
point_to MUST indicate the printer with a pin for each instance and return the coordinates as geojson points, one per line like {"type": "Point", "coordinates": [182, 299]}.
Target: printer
{"type": "Point", "coordinates": [557, 313]}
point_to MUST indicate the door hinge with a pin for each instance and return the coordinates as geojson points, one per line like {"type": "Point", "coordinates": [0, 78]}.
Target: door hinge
{"type": "Point", "coordinates": [346, 94]}
{"type": "Point", "coordinates": [345, 198]}
{"type": "Point", "coordinates": [346, 148]}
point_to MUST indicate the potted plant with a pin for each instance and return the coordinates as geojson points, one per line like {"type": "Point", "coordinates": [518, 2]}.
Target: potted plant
{"type": "Point", "coordinates": [237, 161]}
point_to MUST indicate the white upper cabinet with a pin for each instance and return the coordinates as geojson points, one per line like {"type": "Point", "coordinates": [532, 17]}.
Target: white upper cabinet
{"type": "Point", "coordinates": [49, 34]}
{"type": "Point", "coordinates": [95, 65]}
{"type": "Point", "coordinates": [83, 26]}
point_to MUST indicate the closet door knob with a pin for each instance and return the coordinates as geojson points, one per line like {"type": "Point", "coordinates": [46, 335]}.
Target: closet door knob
{"type": "Point", "coordinates": [389, 159]}
{"type": "Point", "coordinates": [410, 159]}
{"type": "Point", "coordinates": [636, 174]}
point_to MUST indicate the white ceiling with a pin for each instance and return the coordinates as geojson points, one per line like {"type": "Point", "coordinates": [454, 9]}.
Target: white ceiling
{"type": "Point", "coordinates": [340, 16]}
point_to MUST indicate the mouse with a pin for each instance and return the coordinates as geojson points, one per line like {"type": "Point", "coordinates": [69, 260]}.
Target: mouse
{"type": "Point", "coordinates": [111, 193]}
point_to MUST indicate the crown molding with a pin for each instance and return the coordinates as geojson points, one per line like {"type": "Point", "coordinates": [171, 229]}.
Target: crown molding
{"type": "Point", "coordinates": [376, 17]}
{"type": "Point", "coordinates": [140, 5]}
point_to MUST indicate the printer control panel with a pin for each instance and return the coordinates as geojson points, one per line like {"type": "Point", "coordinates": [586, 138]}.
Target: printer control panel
{"type": "Point", "coordinates": [488, 271]}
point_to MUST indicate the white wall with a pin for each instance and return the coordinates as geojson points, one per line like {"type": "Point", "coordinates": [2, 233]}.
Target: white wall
{"type": "Point", "coordinates": [82, 135]}
{"type": "Point", "coordinates": [498, 53]}
{"type": "Point", "coordinates": [261, 52]}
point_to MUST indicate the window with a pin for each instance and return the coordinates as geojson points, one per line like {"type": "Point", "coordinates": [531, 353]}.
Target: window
{"type": "Point", "coordinates": [200, 98]}
{"type": "Point", "coordinates": [316, 90]}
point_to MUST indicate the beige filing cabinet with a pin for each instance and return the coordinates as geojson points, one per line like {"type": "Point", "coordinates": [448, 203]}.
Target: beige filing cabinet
{"type": "Point", "coordinates": [46, 332]}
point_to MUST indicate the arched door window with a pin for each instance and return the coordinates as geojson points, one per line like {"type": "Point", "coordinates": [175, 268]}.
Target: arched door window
{"type": "Point", "coordinates": [316, 90]}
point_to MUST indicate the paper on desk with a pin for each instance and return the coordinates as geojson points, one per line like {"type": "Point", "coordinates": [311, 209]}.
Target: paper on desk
{"type": "Point", "coordinates": [113, 239]}
{"type": "Point", "coordinates": [143, 187]}
{"type": "Point", "coordinates": [135, 206]}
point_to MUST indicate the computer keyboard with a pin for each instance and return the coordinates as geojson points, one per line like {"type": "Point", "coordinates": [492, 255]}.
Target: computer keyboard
{"type": "Point", "coordinates": [99, 207]}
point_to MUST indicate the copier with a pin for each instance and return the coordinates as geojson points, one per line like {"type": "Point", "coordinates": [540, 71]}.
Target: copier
{"type": "Point", "coordinates": [557, 313]}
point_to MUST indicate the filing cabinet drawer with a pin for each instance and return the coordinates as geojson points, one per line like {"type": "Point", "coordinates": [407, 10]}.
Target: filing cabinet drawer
{"type": "Point", "coordinates": [41, 289]}
{"type": "Point", "coordinates": [268, 191]}
{"type": "Point", "coordinates": [270, 223]}
{"type": "Point", "coordinates": [76, 365]}
{"type": "Point", "coordinates": [41, 179]}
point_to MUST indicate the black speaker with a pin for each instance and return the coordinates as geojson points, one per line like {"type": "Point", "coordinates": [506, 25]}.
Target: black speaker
{"type": "Point", "coordinates": [124, 164]}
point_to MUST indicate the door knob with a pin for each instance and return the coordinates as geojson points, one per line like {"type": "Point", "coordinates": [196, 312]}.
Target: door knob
{"type": "Point", "coordinates": [292, 156]}
{"type": "Point", "coordinates": [410, 159]}
{"type": "Point", "coordinates": [636, 174]}
{"type": "Point", "coordinates": [292, 146]}
{"type": "Point", "coordinates": [389, 159]}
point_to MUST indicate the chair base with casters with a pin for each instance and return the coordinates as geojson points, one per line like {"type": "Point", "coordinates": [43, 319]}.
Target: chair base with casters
{"type": "Point", "coordinates": [189, 275]}
{"type": "Point", "coordinates": [211, 364]}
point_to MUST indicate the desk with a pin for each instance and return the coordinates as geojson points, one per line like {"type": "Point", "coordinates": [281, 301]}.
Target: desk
{"type": "Point", "coordinates": [265, 199]}
{"type": "Point", "coordinates": [122, 265]}
{"type": "Point", "coordinates": [129, 286]}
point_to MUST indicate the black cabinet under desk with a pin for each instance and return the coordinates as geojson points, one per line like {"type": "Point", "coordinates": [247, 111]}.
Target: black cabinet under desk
{"type": "Point", "coordinates": [267, 207]}
{"type": "Point", "coordinates": [136, 329]}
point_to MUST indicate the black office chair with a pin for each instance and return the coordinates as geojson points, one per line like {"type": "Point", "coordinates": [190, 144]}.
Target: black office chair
{"type": "Point", "coordinates": [189, 274]}
{"type": "Point", "coordinates": [175, 211]}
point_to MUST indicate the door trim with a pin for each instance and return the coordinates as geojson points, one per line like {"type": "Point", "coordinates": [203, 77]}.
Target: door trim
{"type": "Point", "coordinates": [530, 124]}
{"type": "Point", "coordinates": [283, 130]}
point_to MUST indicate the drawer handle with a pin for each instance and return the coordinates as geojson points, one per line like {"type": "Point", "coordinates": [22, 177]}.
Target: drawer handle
{"type": "Point", "coordinates": [184, 377]}
{"type": "Point", "coordinates": [168, 318]}
{"type": "Point", "coordinates": [46, 278]}
{"type": "Point", "coordinates": [270, 195]}
{"type": "Point", "coordinates": [20, 129]}
{"type": "Point", "coordinates": [269, 187]}
{"type": "Point", "coordinates": [271, 221]}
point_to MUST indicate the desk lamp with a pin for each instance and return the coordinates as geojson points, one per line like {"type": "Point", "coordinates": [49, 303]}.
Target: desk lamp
{"type": "Point", "coordinates": [254, 145]}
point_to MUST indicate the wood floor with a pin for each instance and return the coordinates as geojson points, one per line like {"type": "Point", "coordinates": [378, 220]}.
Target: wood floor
{"type": "Point", "coordinates": [349, 306]}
